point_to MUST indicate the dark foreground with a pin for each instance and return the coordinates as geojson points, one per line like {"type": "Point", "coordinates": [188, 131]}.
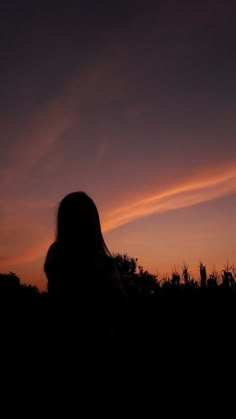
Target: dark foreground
{"type": "Point", "coordinates": [167, 354]}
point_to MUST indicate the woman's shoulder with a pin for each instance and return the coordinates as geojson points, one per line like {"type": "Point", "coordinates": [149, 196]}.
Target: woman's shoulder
{"type": "Point", "coordinates": [53, 252]}
{"type": "Point", "coordinates": [53, 246]}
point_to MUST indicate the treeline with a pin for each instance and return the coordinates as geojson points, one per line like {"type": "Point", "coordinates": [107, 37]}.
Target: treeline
{"type": "Point", "coordinates": [137, 281]}
{"type": "Point", "coordinates": [176, 301]}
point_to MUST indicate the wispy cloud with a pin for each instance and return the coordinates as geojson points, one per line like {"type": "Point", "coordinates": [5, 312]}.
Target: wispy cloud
{"type": "Point", "coordinates": [186, 194]}
{"type": "Point", "coordinates": [101, 151]}
{"type": "Point", "coordinates": [26, 255]}
{"type": "Point", "coordinates": [35, 139]}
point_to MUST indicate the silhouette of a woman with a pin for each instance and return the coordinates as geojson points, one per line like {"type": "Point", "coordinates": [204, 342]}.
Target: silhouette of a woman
{"type": "Point", "coordinates": [81, 271]}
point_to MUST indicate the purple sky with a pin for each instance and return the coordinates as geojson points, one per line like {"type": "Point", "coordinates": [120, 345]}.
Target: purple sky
{"type": "Point", "coordinates": [132, 102]}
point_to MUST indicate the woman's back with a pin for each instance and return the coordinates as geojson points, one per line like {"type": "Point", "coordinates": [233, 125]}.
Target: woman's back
{"type": "Point", "coordinates": [71, 275]}
{"type": "Point", "coordinates": [84, 286]}
{"type": "Point", "coordinates": [88, 303]}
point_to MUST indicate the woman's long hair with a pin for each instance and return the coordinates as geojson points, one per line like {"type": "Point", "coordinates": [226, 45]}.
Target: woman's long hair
{"type": "Point", "coordinates": [79, 229]}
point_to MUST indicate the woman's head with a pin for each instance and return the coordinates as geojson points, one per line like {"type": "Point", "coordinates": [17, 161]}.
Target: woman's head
{"type": "Point", "coordinates": [78, 224]}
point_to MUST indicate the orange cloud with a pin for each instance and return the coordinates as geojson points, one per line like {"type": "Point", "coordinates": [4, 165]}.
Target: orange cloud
{"type": "Point", "coordinates": [25, 256]}
{"type": "Point", "coordinates": [189, 193]}
{"type": "Point", "coordinates": [35, 139]}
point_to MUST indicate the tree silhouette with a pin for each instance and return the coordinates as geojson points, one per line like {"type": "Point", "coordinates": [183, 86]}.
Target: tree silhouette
{"type": "Point", "coordinates": [137, 281]}
{"type": "Point", "coordinates": [186, 274]}
{"type": "Point", "coordinates": [175, 280]}
{"type": "Point", "coordinates": [228, 279]}
{"type": "Point", "coordinates": [203, 275]}
{"type": "Point", "coordinates": [9, 280]}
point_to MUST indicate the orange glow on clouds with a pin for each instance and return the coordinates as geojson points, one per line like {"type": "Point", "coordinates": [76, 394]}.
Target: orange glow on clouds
{"type": "Point", "coordinates": [143, 130]}
{"type": "Point", "coordinates": [184, 195]}
{"type": "Point", "coordinates": [27, 255]}
{"type": "Point", "coordinates": [199, 189]}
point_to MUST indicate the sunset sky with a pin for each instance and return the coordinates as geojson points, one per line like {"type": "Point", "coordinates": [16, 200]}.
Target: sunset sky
{"type": "Point", "coordinates": [132, 102]}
